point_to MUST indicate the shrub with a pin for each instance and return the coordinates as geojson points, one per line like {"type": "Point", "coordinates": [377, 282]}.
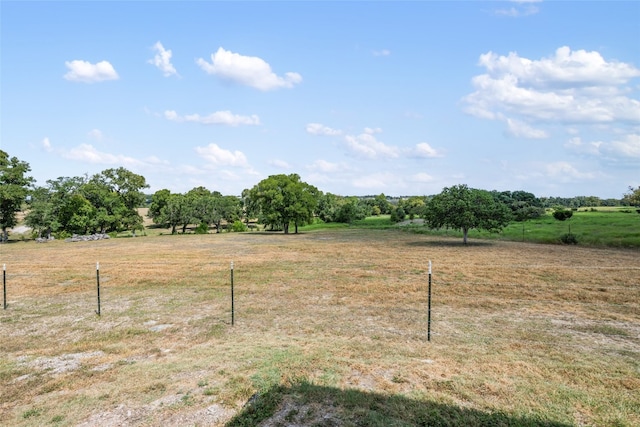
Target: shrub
{"type": "Point", "coordinates": [202, 228]}
{"type": "Point", "coordinates": [569, 239]}
{"type": "Point", "coordinates": [562, 214]}
{"type": "Point", "coordinates": [238, 226]}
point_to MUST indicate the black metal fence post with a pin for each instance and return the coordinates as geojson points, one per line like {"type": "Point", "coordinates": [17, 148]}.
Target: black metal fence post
{"type": "Point", "coordinates": [232, 301]}
{"type": "Point", "coordinates": [4, 286]}
{"type": "Point", "coordinates": [98, 285]}
{"type": "Point", "coordinates": [429, 306]}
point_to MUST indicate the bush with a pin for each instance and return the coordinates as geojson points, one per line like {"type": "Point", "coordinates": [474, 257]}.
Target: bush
{"type": "Point", "coordinates": [562, 214]}
{"type": "Point", "coordinates": [238, 227]}
{"type": "Point", "coordinates": [569, 239]}
{"type": "Point", "coordinates": [202, 228]}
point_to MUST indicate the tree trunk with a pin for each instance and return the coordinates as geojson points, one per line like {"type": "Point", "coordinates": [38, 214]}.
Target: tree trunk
{"type": "Point", "coordinates": [465, 231]}
{"type": "Point", "coordinates": [285, 226]}
{"type": "Point", "coordinates": [296, 223]}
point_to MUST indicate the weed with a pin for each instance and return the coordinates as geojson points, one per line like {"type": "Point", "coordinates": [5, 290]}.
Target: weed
{"type": "Point", "coordinates": [31, 413]}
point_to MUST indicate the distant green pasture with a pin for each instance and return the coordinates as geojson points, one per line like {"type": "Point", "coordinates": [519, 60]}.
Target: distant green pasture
{"type": "Point", "coordinates": [602, 226]}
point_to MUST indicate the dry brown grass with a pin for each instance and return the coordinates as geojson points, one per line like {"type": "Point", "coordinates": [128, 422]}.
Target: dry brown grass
{"type": "Point", "coordinates": [519, 328]}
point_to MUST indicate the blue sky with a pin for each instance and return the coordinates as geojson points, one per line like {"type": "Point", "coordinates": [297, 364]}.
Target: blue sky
{"type": "Point", "coordinates": [358, 98]}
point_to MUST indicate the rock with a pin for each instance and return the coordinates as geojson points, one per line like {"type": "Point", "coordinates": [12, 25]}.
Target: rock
{"type": "Point", "coordinates": [87, 238]}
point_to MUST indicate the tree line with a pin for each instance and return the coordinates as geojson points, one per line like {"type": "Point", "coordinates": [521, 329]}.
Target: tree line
{"type": "Point", "coordinates": [108, 201]}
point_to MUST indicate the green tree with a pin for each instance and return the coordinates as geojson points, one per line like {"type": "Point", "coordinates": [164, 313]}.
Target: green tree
{"type": "Point", "coordinates": [632, 198]}
{"type": "Point", "coordinates": [127, 185]}
{"type": "Point", "coordinates": [229, 209]}
{"type": "Point", "coordinates": [175, 212]}
{"type": "Point", "coordinates": [14, 187]}
{"type": "Point", "coordinates": [328, 206]}
{"type": "Point", "coordinates": [351, 209]}
{"type": "Point", "coordinates": [464, 208]}
{"type": "Point", "coordinates": [284, 199]}
{"type": "Point", "coordinates": [41, 217]}
{"type": "Point", "coordinates": [159, 200]}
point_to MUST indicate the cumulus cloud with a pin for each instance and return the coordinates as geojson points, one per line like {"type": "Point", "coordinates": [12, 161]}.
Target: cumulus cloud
{"type": "Point", "coordinates": [566, 172]}
{"type": "Point", "coordinates": [218, 118]}
{"type": "Point", "coordinates": [424, 150]}
{"type": "Point", "coordinates": [319, 129]}
{"type": "Point", "coordinates": [89, 154]}
{"type": "Point", "coordinates": [522, 130]}
{"type": "Point", "coordinates": [576, 144]}
{"type": "Point", "coordinates": [569, 88]}
{"type": "Point", "coordinates": [162, 60]}
{"type": "Point", "coordinates": [366, 145]}
{"type": "Point", "coordinates": [623, 149]}
{"type": "Point", "coordinates": [247, 70]}
{"type": "Point", "coordinates": [627, 147]}
{"type": "Point", "coordinates": [217, 156]}
{"type": "Point", "coordinates": [86, 72]}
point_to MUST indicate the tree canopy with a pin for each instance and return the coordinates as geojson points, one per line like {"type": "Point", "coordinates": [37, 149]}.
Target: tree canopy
{"type": "Point", "coordinates": [14, 187]}
{"type": "Point", "coordinates": [79, 205]}
{"type": "Point", "coordinates": [633, 196]}
{"type": "Point", "coordinates": [283, 199]}
{"type": "Point", "coordinates": [464, 208]}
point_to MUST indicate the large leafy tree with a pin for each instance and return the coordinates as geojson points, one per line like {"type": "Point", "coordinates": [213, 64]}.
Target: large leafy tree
{"type": "Point", "coordinates": [283, 199]}
{"type": "Point", "coordinates": [41, 217]}
{"type": "Point", "coordinates": [128, 186]}
{"type": "Point", "coordinates": [464, 208]}
{"type": "Point", "coordinates": [105, 202]}
{"type": "Point", "coordinates": [633, 196]}
{"type": "Point", "coordinates": [14, 187]}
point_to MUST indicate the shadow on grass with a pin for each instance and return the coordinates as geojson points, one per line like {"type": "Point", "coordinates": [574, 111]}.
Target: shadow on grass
{"type": "Point", "coordinates": [306, 404]}
{"type": "Point", "coordinates": [451, 242]}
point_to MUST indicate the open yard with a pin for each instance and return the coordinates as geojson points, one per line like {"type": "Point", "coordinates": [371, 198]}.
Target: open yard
{"type": "Point", "coordinates": [330, 330]}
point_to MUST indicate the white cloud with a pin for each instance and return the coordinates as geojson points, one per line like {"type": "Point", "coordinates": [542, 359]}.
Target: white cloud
{"type": "Point", "coordinates": [46, 144]}
{"type": "Point", "coordinates": [367, 146]}
{"type": "Point", "coordinates": [280, 164]}
{"type": "Point", "coordinates": [378, 181]}
{"type": "Point", "coordinates": [88, 153]}
{"type": "Point", "coordinates": [565, 69]}
{"type": "Point", "coordinates": [215, 155]}
{"type": "Point", "coordinates": [626, 148]}
{"type": "Point", "coordinates": [318, 129]}
{"type": "Point", "coordinates": [564, 172]}
{"type": "Point", "coordinates": [218, 118]}
{"type": "Point", "coordinates": [247, 70]}
{"type": "Point", "coordinates": [424, 150]}
{"type": "Point", "coordinates": [570, 88]}
{"type": "Point", "coordinates": [162, 60]}
{"type": "Point", "coordinates": [326, 167]}
{"type": "Point", "coordinates": [575, 144]}
{"type": "Point", "coordinates": [422, 177]}
{"type": "Point", "coordinates": [86, 72]}
{"type": "Point", "coordinates": [522, 130]}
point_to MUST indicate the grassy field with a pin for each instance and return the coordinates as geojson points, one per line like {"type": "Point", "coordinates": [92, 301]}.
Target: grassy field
{"type": "Point", "coordinates": [330, 330]}
{"type": "Point", "coordinates": [600, 227]}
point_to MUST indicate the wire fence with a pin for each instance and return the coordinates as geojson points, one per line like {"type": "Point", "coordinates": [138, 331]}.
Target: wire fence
{"type": "Point", "coordinates": [434, 318]}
